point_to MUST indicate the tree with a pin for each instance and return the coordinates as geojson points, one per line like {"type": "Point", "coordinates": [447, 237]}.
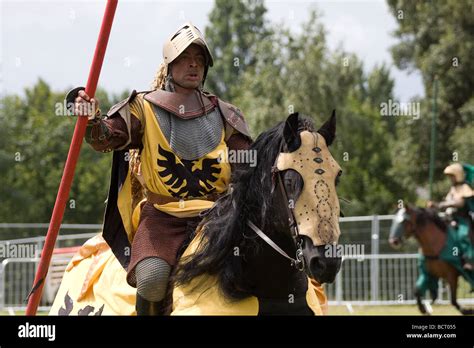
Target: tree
{"type": "Point", "coordinates": [236, 27]}
{"type": "Point", "coordinates": [299, 73]}
{"type": "Point", "coordinates": [35, 136]}
{"type": "Point", "coordinates": [436, 38]}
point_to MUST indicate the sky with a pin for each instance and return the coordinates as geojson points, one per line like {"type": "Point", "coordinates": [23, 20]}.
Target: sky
{"type": "Point", "coordinates": [55, 40]}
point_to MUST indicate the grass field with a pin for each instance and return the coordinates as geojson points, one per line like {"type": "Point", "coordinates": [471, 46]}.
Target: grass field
{"type": "Point", "coordinates": [20, 313]}
{"type": "Point", "coordinates": [357, 310]}
{"type": "Point", "coordinates": [391, 310]}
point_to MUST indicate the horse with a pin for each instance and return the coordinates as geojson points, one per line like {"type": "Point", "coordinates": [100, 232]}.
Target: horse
{"type": "Point", "coordinates": [431, 232]}
{"type": "Point", "coordinates": [262, 248]}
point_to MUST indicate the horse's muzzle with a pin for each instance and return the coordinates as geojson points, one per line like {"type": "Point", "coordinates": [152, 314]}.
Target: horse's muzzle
{"type": "Point", "coordinates": [395, 242]}
{"type": "Point", "coordinates": [320, 265]}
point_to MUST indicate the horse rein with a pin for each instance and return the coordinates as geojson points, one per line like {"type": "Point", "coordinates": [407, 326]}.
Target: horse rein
{"type": "Point", "coordinates": [298, 262]}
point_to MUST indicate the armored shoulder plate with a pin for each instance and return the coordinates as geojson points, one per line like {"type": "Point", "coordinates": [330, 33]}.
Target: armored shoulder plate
{"type": "Point", "coordinates": [234, 117]}
{"type": "Point", "coordinates": [122, 109]}
{"type": "Point", "coordinates": [117, 107]}
{"type": "Point", "coordinates": [232, 114]}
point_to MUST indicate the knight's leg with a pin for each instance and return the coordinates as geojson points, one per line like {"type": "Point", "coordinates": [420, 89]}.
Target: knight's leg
{"type": "Point", "coordinates": [467, 249]}
{"type": "Point", "coordinates": [152, 276]}
{"type": "Point", "coordinates": [419, 302]}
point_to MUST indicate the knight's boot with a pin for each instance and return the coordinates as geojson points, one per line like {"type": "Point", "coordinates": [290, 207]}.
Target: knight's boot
{"type": "Point", "coordinates": [145, 307]}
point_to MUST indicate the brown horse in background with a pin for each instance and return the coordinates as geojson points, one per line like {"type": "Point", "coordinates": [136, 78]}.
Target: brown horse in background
{"type": "Point", "coordinates": [431, 233]}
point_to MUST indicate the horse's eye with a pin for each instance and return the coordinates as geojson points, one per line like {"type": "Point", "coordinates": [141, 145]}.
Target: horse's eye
{"type": "Point", "coordinates": [338, 177]}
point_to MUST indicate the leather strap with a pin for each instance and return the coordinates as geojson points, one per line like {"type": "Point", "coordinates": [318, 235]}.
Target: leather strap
{"type": "Point", "coordinates": [291, 214]}
{"type": "Point", "coordinates": [298, 262]}
{"type": "Point", "coordinates": [269, 241]}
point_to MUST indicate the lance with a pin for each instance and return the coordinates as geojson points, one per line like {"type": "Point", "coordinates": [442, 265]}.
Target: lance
{"type": "Point", "coordinates": [68, 174]}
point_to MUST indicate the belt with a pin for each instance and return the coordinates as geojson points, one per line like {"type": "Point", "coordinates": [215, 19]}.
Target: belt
{"type": "Point", "coordinates": [156, 198]}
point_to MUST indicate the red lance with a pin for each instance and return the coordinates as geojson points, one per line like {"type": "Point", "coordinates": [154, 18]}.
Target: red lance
{"type": "Point", "coordinates": [68, 174]}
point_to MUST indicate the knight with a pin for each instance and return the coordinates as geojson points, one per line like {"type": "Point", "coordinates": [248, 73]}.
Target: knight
{"type": "Point", "coordinates": [459, 207]}
{"type": "Point", "coordinates": [167, 168]}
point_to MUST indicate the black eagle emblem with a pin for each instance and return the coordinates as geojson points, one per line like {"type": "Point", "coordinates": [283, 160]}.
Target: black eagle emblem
{"type": "Point", "coordinates": [69, 305]}
{"type": "Point", "coordinates": [184, 181]}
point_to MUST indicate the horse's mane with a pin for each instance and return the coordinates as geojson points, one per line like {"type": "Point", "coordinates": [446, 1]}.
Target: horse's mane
{"type": "Point", "coordinates": [224, 241]}
{"type": "Point", "coordinates": [425, 215]}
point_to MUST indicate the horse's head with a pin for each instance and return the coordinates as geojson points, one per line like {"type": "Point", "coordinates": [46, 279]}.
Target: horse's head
{"type": "Point", "coordinates": [309, 175]}
{"type": "Point", "coordinates": [412, 221]}
{"type": "Point", "coordinates": [402, 227]}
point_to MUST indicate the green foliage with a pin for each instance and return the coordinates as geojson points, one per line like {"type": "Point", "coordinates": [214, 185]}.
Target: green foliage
{"type": "Point", "coordinates": [437, 39]}
{"type": "Point", "coordinates": [384, 159]}
{"type": "Point", "coordinates": [35, 139]}
{"type": "Point", "coordinates": [299, 73]}
{"type": "Point", "coordinates": [236, 28]}
{"type": "Point", "coordinates": [462, 143]}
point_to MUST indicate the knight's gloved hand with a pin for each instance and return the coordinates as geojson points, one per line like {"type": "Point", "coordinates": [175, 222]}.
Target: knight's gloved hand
{"type": "Point", "coordinates": [80, 104]}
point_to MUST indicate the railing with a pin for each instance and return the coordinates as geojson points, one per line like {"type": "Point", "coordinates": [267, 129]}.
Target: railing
{"type": "Point", "coordinates": [377, 276]}
{"type": "Point", "coordinates": [17, 273]}
{"type": "Point", "coordinates": [394, 284]}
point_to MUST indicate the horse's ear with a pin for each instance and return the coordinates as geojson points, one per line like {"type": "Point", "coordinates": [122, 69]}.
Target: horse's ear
{"type": "Point", "coordinates": [290, 132]}
{"type": "Point", "coordinates": [328, 129]}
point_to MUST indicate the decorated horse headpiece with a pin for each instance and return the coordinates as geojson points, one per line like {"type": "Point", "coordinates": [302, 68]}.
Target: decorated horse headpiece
{"type": "Point", "coordinates": [316, 211]}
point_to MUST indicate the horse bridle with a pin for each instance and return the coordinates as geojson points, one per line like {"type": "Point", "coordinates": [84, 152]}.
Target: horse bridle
{"type": "Point", "coordinates": [297, 262]}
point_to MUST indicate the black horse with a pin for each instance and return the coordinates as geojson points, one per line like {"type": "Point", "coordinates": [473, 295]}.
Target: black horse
{"type": "Point", "coordinates": [254, 249]}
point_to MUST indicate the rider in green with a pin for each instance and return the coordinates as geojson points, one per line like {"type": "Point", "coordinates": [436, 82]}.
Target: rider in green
{"type": "Point", "coordinates": [459, 204]}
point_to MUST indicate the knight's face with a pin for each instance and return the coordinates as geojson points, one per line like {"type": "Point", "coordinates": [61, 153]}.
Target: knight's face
{"type": "Point", "coordinates": [188, 69]}
{"type": "Point", "coordinates": [452, 178]}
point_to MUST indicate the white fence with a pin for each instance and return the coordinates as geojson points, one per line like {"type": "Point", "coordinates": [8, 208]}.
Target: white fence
{"type": "Point", "coordinates": [17, 273]}
{"type": "Point", "coordinates": [376, 277]}
{"type": "Point", "coordinates": [385, 279]}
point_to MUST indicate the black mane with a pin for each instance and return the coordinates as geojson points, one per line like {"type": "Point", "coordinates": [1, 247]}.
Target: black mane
{"type": "Point", "coordinates": [224, 226]}
{"type": "Point", "coordinates": [423, 216]}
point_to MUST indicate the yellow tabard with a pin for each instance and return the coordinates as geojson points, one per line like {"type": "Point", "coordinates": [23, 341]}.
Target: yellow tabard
{"type": "Point", "coordinates": [166, 174]}
{"type": "Point", "coordinates": [94, 283]}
